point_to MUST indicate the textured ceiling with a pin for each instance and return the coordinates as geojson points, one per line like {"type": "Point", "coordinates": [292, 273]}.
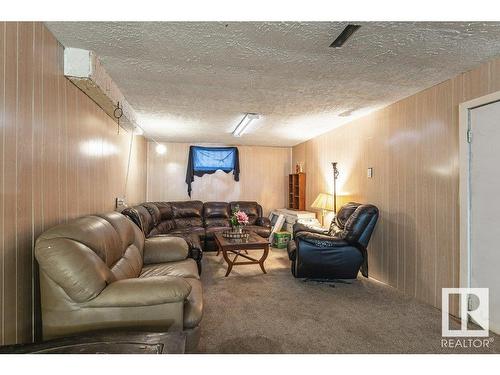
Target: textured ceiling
{"type": "Point", "coordinates": [192, 81]}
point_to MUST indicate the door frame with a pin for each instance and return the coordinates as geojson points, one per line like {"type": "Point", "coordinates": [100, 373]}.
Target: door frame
{"type": "Point", "coordinates": [464, 182]}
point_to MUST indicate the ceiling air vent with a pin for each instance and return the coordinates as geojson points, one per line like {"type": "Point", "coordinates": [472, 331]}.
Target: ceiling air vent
{"type": "Point", "coordinates": [344, 35]}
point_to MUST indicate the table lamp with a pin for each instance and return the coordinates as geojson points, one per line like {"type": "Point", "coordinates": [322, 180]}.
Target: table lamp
{"type": "Point", "coordinates": [324, 202]}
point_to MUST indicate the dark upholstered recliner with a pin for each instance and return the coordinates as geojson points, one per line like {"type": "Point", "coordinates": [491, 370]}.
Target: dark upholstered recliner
{"type": "Point", "coordinates": [339, 254]}
{"type": "Point", "coordinates": [195, 221]}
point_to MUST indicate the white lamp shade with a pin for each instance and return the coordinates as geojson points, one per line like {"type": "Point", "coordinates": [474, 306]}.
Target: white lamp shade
{"type": "Point", "coordinates": [324, 202]}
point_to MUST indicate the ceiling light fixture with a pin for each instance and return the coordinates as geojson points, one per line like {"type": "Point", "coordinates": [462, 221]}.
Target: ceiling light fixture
{"type": "Point", "coordinates": [243, 125]}
{"type": "Point", "coordinates": [138, 130]}
{"type": "Point", "coordinates": [344, 35]}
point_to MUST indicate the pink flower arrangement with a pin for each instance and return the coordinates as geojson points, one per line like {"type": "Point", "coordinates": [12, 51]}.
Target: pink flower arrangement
{"type": "Point", "coordinates": [241, 217]}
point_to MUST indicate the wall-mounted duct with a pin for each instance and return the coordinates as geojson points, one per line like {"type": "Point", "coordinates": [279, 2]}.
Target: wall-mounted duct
{"type": "Point", "coordinates": [84, 69]}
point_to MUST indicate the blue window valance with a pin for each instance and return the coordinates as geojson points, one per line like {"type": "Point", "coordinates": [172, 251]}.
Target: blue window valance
{"type": "Point", "coordinates": [208, 160]}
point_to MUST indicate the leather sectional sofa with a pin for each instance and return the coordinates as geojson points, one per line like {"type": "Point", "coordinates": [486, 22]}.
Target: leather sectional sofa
{"type": "Point", "coordinates": [99, 272]}
{"type": "Point", "coordinates": [195, 221]}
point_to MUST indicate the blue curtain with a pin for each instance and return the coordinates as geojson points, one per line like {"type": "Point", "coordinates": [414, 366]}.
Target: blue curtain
{"type": "Point", "coordinates": [208, 160]}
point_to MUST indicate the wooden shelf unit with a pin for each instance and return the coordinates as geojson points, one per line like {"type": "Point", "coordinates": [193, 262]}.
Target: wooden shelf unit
{"type": "Point", "coordinates": [297, 191]}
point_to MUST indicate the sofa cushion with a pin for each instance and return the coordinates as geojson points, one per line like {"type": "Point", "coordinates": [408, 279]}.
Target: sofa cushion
{"type": "Point", "coordinates": [187, 214]}
{"type": "Point", "coordinates": [216, 210]}
{"type": "Point", "coordinates": [145, 218]}
{"type": "Point", "coordinates": [216, 214]}
{"type": "Point", "coordinates": [165, 222]}
{"type": "Point", "coordinates": [162, 249]}
{"type": "Point", "coordinates": [193, 309]}
{"type": "Point", "coordinates": [143, 292]}
{"type": "Point", "coordinates": [153, 211]}
{"type": "Point", "coordinates": [165, 208]}
{"type": "Point", "coordinates": [130, 260]}
{"type": "Point", "coordinates": [75, 267]}
{"type": "Point", "coordinates": [162, 228]}
{"type": "Point", "coordinates": [128, 233]}
{"type": "Point", "coordinates": [94, 232]}
{"type": "Point", "coordinates": [129, 265]}
{"type": "Point", "coordinates": [194, 243]}
{"type": "Point", "coordinates": [188, 222]}
{"type": "Point", "coordinates": [183, 268]}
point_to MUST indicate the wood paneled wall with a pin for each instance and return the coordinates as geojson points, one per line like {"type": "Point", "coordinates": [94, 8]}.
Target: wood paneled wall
{"type": "Point", "coordinates": [60, 158]}
{"type": "Point", "coordinates": [413, 147]}
{"type": "Point", "coordinates": [263, 177]}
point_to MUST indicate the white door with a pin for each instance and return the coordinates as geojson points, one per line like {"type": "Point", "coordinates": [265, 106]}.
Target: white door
{"type": "Point", "coordinates": [485, 205]}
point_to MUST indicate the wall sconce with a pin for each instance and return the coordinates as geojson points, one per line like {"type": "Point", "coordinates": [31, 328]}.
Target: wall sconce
{"type": "Point", "coordinates": [161, 149]}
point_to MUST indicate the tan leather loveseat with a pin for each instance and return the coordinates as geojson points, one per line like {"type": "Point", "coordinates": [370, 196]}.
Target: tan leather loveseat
{"type": "Point", "coordinates": [98, 272]}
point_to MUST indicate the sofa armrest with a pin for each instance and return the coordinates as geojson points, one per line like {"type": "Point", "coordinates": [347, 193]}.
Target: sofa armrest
{"type": "Point", "coordinates": [195, 250]}
{"type": "Point", "coordinates": [162, 249]}
{"type": "Point", "coordinates": [142, 292]}
{"type": "Point", "coordinates": [133, 215]}
{"type": "Point", "coordinates": [321, 240]}
{"type": "Point", "coordinates": [263, 222]}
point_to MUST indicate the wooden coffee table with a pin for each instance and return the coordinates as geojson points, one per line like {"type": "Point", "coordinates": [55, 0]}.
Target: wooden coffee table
{"type": "Point", "coordinates": [237, 246]}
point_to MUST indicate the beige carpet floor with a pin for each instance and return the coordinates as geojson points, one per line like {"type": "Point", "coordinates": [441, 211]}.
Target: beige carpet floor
{"type": "Point", "coordinates": [249, 312]}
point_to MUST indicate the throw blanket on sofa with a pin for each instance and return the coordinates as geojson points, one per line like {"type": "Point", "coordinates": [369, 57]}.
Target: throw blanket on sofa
{"type": "Point", "coordinates": [208, 160]}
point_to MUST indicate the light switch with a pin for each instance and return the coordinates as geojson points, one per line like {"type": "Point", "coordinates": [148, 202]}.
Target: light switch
{"type": "Point", "coordinates": [120, 202]}
{"type": "Point", "coordinates": [369, 173]}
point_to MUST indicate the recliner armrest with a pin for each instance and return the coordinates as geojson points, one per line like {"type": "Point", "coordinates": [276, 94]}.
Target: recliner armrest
{"type": "Point", "coordinates": [142, 292]}
{"type": "Point", "coordinates": [299, 227]}
{"type": "Point", "coordinates": [263, 222]}
{"type": "Point", "coordinates": [162, 249]}
{"type": "Point", "coordinates": [321, 240]}
{"type": "Point", "coordinates": [291, 249]}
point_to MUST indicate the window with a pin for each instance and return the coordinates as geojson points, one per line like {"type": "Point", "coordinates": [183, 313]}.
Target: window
{"type": "Point", "coordinates": [208, 159]}
{"type": "Point", "coordinates": [203, 160]}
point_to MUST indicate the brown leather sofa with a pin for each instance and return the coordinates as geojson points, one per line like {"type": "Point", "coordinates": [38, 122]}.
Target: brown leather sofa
{"type": "Point", "coordinates": [195, 221]}
{"type": "Point", "coordinates": [99, 272]}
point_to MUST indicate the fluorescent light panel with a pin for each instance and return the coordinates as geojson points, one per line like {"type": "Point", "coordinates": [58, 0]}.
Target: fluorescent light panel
{"type": "Point", "coordinates": [243, 125]}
